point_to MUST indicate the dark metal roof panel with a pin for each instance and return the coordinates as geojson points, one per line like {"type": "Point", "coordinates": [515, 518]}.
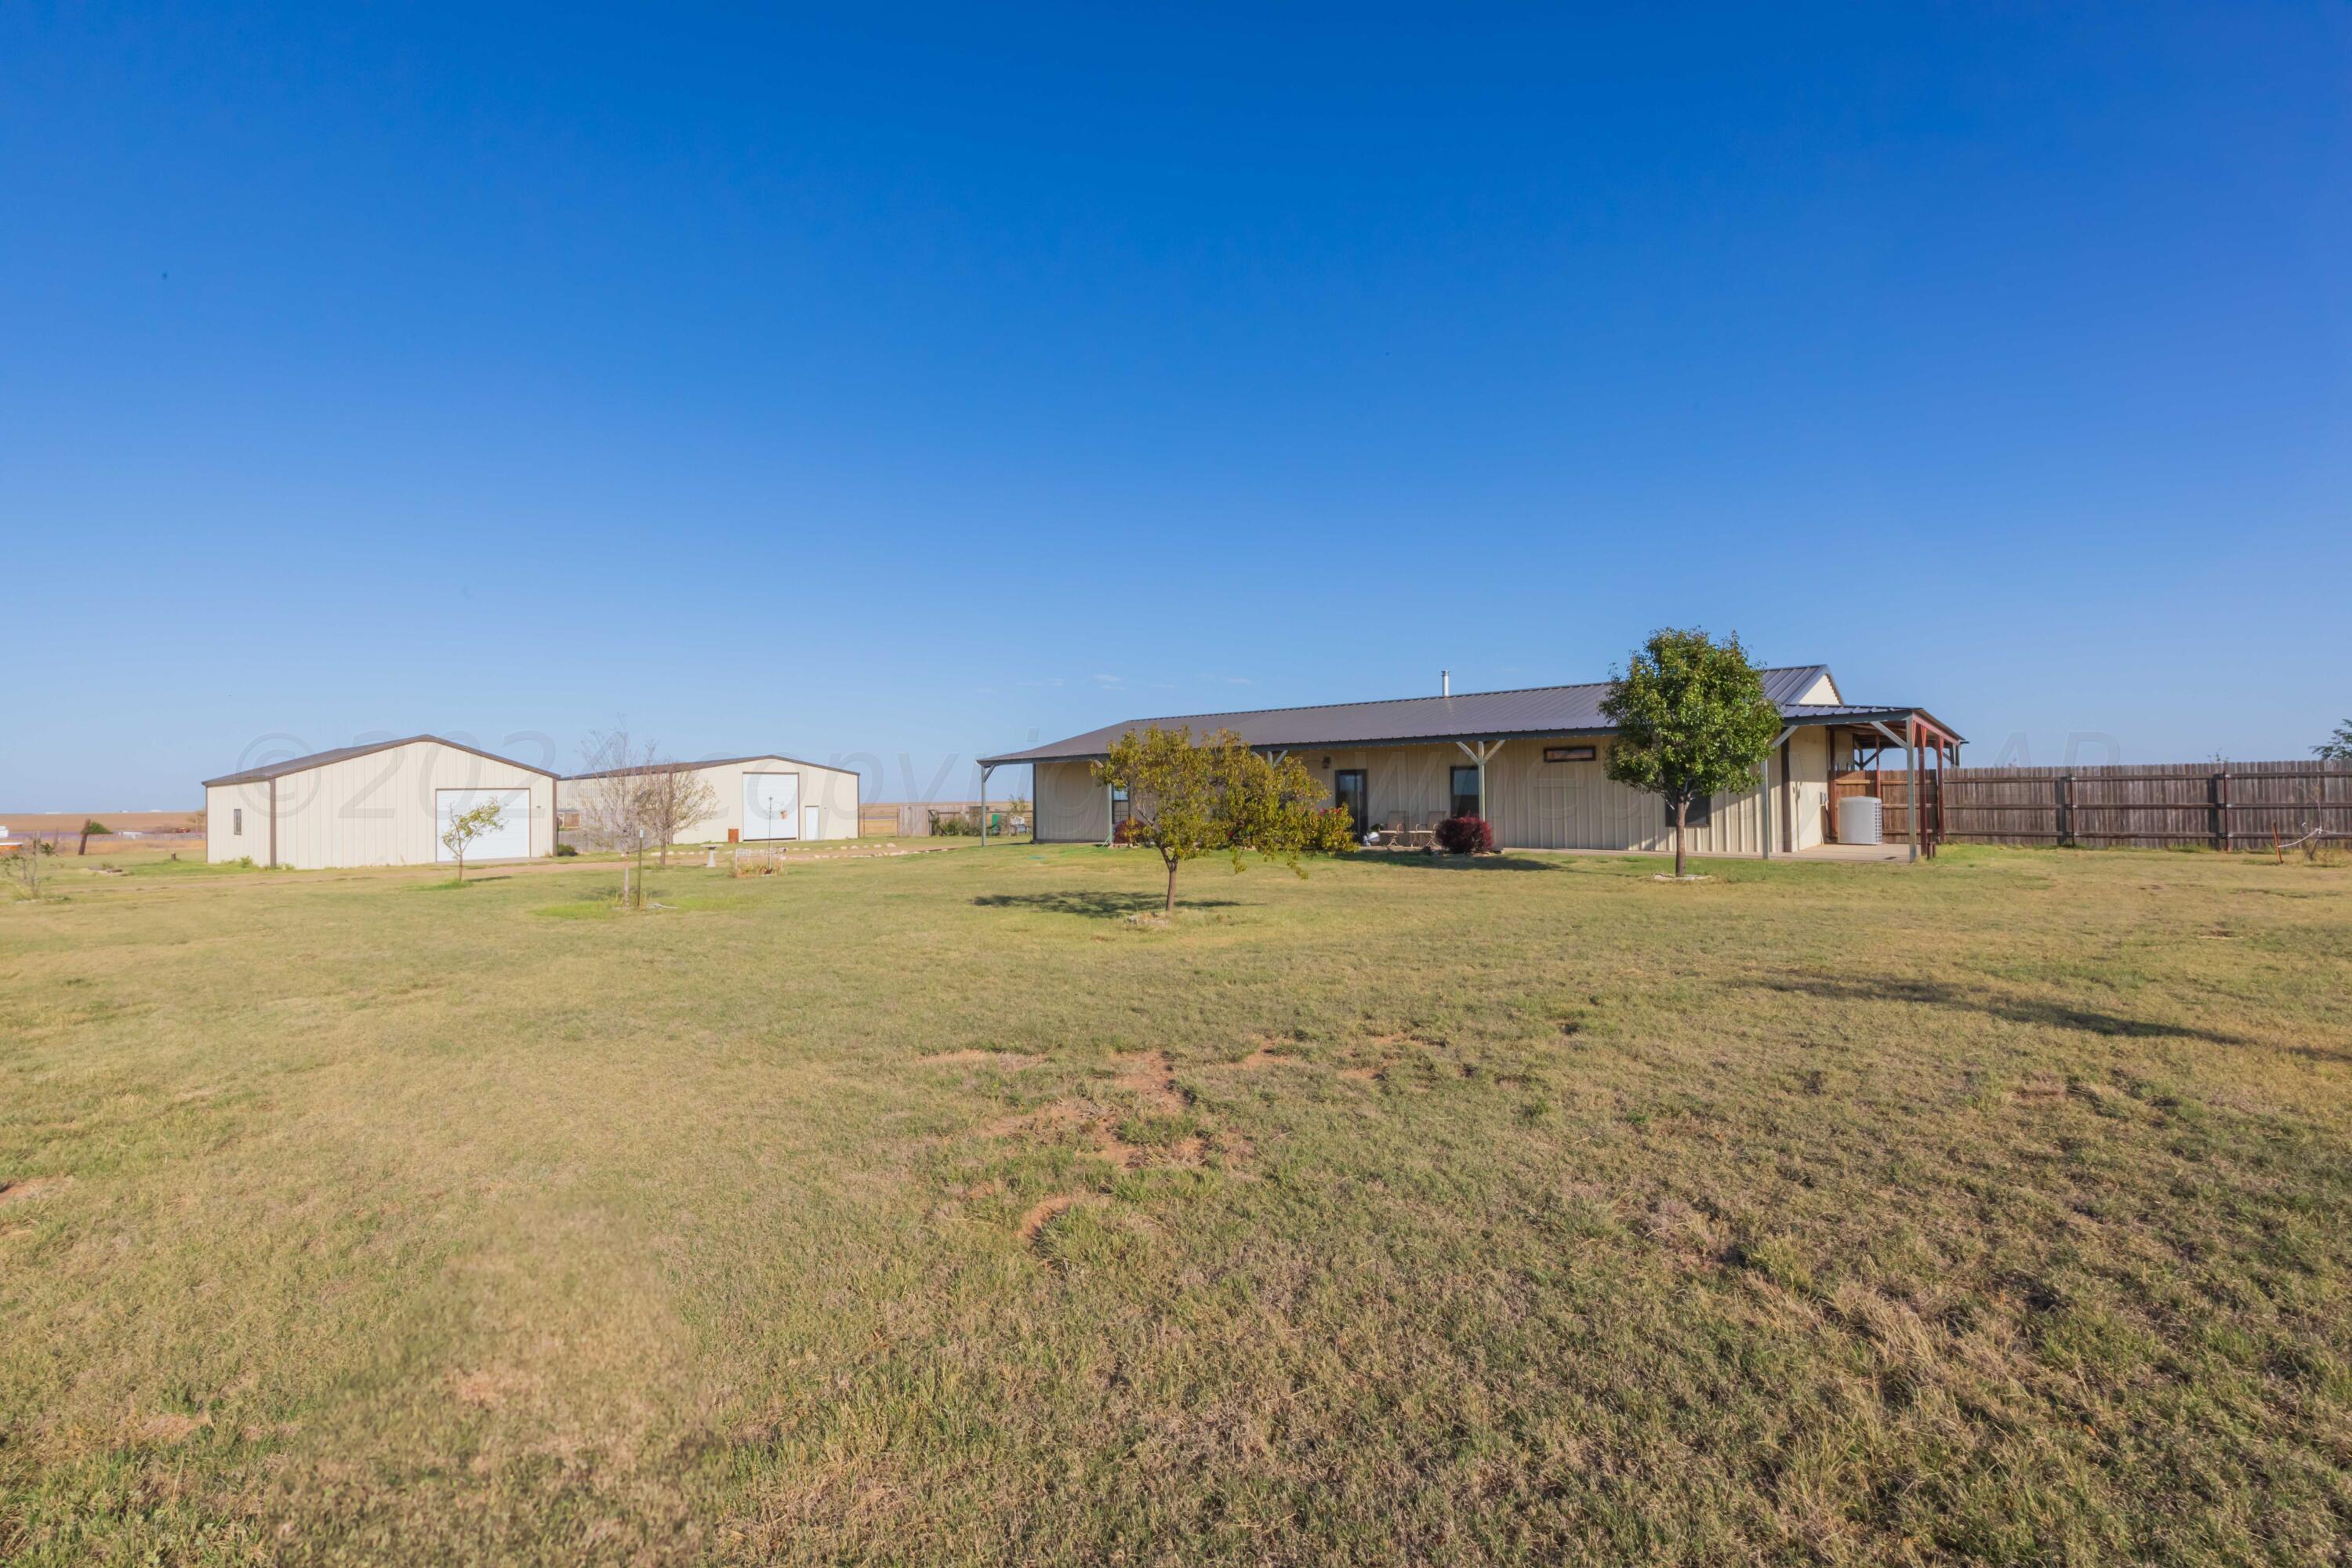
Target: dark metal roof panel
{"type": "Point", "coordinates": [345, 754]}
{"type": "Point", "coordinates": [1837, 712]}
{"type": "Point", "coordinates": [1530, 711]}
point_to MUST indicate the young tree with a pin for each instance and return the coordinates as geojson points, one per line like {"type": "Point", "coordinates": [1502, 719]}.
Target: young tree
{"type": "Point", "coordinates": [24, 868]}
{"type": "Point", "coordinates": [1191, 799]}
{"type": "Point", "coordinates": [1172, 789]}
{"type": "Point", "coordinates": [1692, 720]}
{"type": "Point", "coordinates": [674, 797]}
{"type": "Point", "coordinates": [467, 826]}
{"type": "Point", "coordinates": [612, 802]}
{"type": "Point", "coordinates": [2337, 748]}
{"type": "Point", "coordinates": [89, 827]}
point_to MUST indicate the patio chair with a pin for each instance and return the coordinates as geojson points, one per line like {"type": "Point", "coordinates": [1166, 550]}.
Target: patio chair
{"type": "Point", "coordinates": [1392, 831]}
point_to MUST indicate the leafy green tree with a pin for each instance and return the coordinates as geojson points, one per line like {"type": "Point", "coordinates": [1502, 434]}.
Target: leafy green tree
{"type": "Point", "coordinates": [1270, 807]}
{"type": "Point", "coordinates": [2337, 748]}
{"type": "Point", "coordinates": [1189, 799]}
{"type": "Point", "coordinates": [1692, 722]}
{"type": "Point", "coordinates": [1173, 788]}
{"type": "Point", "coordinates": [467, 826]}
{"type": "Point", "coordinates": [90, 826]}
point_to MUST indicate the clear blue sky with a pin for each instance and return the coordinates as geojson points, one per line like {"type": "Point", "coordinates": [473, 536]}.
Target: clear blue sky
{"type": "Point", "coordinates": [925, 382]}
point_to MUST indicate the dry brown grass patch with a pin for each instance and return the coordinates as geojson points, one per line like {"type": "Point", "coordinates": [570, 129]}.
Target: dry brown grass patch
{"type": "Point", "coordinates": [487, 1388]}
{"type": "Point", "coordinates": [1009, 1061]}
{"type": "Point", "coordinates": [164, 1427]}
{"type": "Point", "coordinates": [26, 1188]}
{"type": "Point", "coordinates": [1045, 1213]}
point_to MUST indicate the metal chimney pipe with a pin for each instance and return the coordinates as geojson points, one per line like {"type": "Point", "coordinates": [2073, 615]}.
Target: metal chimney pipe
{"type": "Point", "coordinates": [1445, 683]}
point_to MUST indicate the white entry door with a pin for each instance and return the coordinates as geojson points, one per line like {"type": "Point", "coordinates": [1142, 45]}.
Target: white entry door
{"type": "Point", "coordinates": [772, 806]}
{"type": "Point", "coordinates": [811, 821]}
{"type": "Point", "coordinates": [509, 840]}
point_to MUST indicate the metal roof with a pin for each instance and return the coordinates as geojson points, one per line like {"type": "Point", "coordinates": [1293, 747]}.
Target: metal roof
{"type": "Point", "coordinates": [345, 754]}
{"type": "Point", "coordinates": [706, 762]}
{"type": "Point", "coordinates": [1848, 712]}
{"type": "Point", "coordinates": [1475, 715]}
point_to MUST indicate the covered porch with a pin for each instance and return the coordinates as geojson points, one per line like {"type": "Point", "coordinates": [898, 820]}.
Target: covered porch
{"type": "Point", "coordinates": [1910, 794]}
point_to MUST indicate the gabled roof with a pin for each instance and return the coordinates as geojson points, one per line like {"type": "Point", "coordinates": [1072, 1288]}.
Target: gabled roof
{"type": "Point", "coordinates": [690, 765]}
{"type": "Point", "coordinates": [345, 754]}
{"type": "Point", "coordinates": [1475, 715]}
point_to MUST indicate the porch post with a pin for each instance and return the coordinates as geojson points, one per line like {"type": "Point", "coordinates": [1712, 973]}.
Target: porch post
{"type": "Point", "coordinates": [1788, 796]}
{"type": "Point", "coordinates": [1918, 790]}
{"type": "Point", "coordinates": [1764, 796]}
{"type": "Point", "coordinates": [984, 771]}
{"type": "Point", "coordinates": [1486, 748]}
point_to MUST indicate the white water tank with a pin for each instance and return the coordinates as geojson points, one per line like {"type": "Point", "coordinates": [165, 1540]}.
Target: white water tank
{"type": "Point", "coordinates": [1861, 820]}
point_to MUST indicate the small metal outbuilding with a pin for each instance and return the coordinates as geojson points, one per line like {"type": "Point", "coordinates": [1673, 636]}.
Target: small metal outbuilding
{"type": "Point", "coordinates": [385, 804]}
{"type": "Point", "coordinates": [761, 799]}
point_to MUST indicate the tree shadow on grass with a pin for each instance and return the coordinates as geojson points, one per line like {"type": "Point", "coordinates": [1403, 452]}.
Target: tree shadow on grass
{"type": "Point", "coordinates": [452, 887]}
{"type": "Point", "coordinates": [2014, 1009]}
{"type": "Point", "coordinates": [1100, 905]}
{"type": "Point", "coordinates": [1414, 860]}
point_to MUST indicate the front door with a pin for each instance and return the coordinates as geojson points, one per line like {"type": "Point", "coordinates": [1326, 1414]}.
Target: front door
{"type": "Point", "coordinates": [1349, 788]}
{"type": "Point", "coordinates": [1465, 792]}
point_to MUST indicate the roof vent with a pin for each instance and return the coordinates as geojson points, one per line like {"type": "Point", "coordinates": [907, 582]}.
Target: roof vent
{"type": "Point", "coordinates": [1445, 683]}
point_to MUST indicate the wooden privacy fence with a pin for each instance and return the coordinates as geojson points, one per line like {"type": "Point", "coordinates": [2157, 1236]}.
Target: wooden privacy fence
{"type": "Point", "coordinates": [913, 819]}
{"type": "Point", "coordinates": [2217, 806]}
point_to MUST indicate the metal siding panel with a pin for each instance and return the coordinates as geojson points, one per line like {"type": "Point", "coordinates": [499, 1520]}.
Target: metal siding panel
{"type": "Point", "coordinates": [833, 791]}
{"type": "Point", "coordinates": [378, 809]}
{"type": "Point", "coordinates": [1809, 769]}
{"type": "Point", "coordinates": [1070, 807]}
{"type": "Point", "coordinates": [221, 803]}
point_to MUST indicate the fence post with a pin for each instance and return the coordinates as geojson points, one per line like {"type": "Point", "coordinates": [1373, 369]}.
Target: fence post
{"type": "Point", "coordinates": [2065, 808]}
{"type": "Point", "coordinates": [2221, 810]}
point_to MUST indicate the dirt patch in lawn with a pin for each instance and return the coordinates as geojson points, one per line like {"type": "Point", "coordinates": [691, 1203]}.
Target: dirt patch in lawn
{"type": "Point", "coordinates": [489, 1387]}
{"type": "Point", "coordinates": [165, 1427]}
{"type": "Point", "coordinates": [1042, 1214]}
{"type": "Point", "coordinates": [1146, 1075]}
{"type": "Point", "coordinates": [1046, 1121]}
{"type": "Point", "coordinates": [26, 1188]}
{"type": "Point", "coordinates": [1187, 1150]}
{"type": "Point", "coordinates": [1009, 1061]}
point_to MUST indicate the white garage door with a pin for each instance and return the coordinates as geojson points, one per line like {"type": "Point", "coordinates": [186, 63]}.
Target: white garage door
{"type": "Point", "coordinates": [509, 840]}
{"type": "Point", "coordinates": [772, 806]}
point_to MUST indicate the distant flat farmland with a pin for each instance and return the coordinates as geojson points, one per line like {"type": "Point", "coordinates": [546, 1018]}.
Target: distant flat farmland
{"type": "Point", "coordinates": [22, 822]}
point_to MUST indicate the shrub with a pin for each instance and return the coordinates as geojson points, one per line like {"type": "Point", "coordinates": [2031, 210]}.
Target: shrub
{"type": "Point", "coordinates": [1125, 832]}
{"type": "Point", "coordinates": [1466, 836]}
{"type": "Point", "coordinates": [953, 825]}
{"type": "Point", "coordinates": [1332, 832]}
{"type": "Point", "coordinates": [565, 851]}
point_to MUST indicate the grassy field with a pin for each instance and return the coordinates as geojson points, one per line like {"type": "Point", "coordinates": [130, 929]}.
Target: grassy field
{"type": "Point", "coordinates": [931, 1210]}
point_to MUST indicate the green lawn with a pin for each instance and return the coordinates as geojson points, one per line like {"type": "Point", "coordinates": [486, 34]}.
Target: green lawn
{"type": "Point", "coordinates": [927, 1209]}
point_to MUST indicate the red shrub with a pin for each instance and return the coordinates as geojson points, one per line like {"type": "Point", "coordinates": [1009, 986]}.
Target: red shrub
{"type": "Point", "coordinates": [1125, 832]}
{"type": "Point", "coordinates": [1466, 836]}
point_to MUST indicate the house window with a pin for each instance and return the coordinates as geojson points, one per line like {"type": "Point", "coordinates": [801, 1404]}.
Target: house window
{"type": "Point", "coordinates": [1465, 792]}
{"type": "Point", "coordinates": [237, 821]}
{"type": "Point", "coordinates": [1701, 812]}
{"type": "Point", "coordinates": [1570, 753]}
{"type": "Point", "coordinates": [1120, 811]}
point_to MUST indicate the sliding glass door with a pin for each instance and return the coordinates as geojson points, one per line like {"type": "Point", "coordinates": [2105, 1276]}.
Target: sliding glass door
{"type": "Point", "coordinates": [1350, 788]}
